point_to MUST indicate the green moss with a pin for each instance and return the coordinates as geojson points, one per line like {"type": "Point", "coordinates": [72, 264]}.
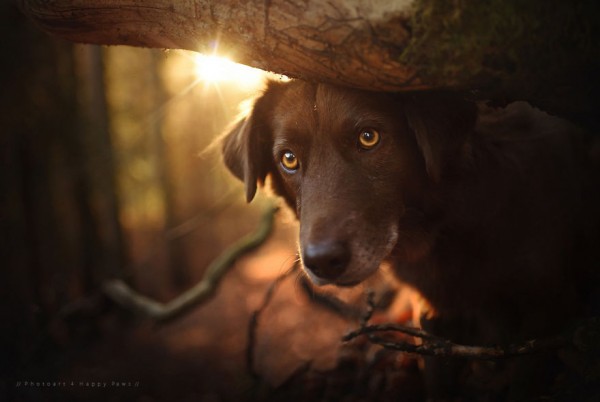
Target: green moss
{"type": "Point", "coordinates": [502, 43]}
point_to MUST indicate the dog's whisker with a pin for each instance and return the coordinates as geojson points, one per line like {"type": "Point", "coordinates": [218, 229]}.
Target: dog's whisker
{"type": "Point", "coordinates": [289, 264]}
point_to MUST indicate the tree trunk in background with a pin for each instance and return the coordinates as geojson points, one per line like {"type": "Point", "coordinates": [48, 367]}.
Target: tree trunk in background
{"type": "Point", "coordinates": [58, 212]}
{"type": "Point", "coordinates": [177, 261]}
{"type": "Point", "coordinates": [99, 203]}
{"type": "Point", "coordinates": [544, 51]}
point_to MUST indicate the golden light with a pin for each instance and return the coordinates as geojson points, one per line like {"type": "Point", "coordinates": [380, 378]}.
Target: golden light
{"type": "Point", "coordinates": [214, 69]}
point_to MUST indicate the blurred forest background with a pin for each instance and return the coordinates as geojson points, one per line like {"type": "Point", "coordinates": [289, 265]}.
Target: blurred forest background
{"type": "Point", "coordinates": [110, 169]}
{"type": "Point", "coordinates": [107, 172]}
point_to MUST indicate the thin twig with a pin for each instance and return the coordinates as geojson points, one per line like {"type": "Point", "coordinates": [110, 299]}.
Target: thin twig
{"type": "Point", "coordinates": [364, 320]}
{"type": "Point", "coordinates": [370, 329]}
{"type": "Point", "coordinates": [126, 297]}
{"type": "Point", "coordinates": [449, 349]}
{"type": "Point", "coordinates": [329, 301]}
{"type": "Point", "coordinates": [253, 324]}
{"type": "Point", "coordinates": [436, 346]}
{"type": "Point", "coordinates": [341, 308]}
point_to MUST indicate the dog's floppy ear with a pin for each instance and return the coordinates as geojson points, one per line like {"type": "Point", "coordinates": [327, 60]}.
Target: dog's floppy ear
{"type": "Point", "coordinates": [442, 124]}
{"type": "Point", "coordinates": [247, 144]}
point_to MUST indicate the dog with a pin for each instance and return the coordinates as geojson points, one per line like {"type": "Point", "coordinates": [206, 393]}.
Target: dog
{"type": "Point", "coordinates": [490, 213]}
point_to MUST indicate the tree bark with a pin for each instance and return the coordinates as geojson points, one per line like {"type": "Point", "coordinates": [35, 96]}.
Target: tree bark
{"type": "Point", "coordinates": [331, 41]}
{"type": "Point", "coordinates": [545, 51]}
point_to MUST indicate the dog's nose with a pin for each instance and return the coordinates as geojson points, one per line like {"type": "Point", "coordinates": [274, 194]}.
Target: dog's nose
{"type": "Point", "coordinates": [327, 260]}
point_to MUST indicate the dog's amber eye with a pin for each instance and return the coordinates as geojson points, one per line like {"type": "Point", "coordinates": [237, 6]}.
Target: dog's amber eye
{"type": "Point", "coordinates": [289, 161]}
{"type": "Point", "coordinates": [368, 139]}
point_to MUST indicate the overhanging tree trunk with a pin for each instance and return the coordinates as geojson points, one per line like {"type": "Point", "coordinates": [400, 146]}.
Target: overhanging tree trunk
{"type": "Point", "coordinates": [545, 51]}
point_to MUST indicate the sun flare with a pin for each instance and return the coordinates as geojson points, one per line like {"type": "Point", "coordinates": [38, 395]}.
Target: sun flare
{"type": "Point", "coordinates": [214, 69]}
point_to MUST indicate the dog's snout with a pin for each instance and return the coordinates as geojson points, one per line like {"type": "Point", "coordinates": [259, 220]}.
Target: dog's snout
{"type": "Point", "coordinates": [327, 260]}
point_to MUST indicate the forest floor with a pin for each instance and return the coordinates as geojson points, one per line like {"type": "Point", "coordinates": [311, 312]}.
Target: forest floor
{"type": "Point", "coordinates": [263, 337]}
{"type": "Point", "coordinates": [297, 353]}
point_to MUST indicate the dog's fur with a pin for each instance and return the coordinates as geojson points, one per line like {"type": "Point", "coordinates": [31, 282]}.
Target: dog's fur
{"type": "Point", "coordinates": [489, 213]}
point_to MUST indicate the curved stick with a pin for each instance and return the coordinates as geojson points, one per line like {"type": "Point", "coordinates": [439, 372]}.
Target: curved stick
{"type": "Point", "coordinates": [119, 292]}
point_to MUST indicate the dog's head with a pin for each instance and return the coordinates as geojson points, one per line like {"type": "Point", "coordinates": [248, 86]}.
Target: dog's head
{"type": "Point", "coordinates": [355, 166]}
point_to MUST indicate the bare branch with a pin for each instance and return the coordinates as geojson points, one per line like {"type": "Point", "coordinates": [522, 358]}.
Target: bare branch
{"type": "Point", "coordinates": [370, 329]}
{"type": "Point", "coordinates": [436, 346]}
{"type": "Point", "coordinates": [122, 294]}
{"type": "Point", "coordinates": [253, 324]}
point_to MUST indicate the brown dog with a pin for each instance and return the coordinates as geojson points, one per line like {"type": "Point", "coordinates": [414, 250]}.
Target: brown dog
{"type": "Point", "coordinates": [486, 212]}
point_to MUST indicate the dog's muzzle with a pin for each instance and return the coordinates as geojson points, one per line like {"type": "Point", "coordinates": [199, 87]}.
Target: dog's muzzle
{"type": "Point", "coordinates": [347, 262]}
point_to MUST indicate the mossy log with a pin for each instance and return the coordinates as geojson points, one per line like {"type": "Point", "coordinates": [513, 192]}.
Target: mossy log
{"type": "Point", "coordinates": [544, 51]}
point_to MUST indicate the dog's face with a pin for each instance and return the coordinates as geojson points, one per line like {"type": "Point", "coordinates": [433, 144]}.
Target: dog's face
{"type": "Point", "coordinates": [355, 166]}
